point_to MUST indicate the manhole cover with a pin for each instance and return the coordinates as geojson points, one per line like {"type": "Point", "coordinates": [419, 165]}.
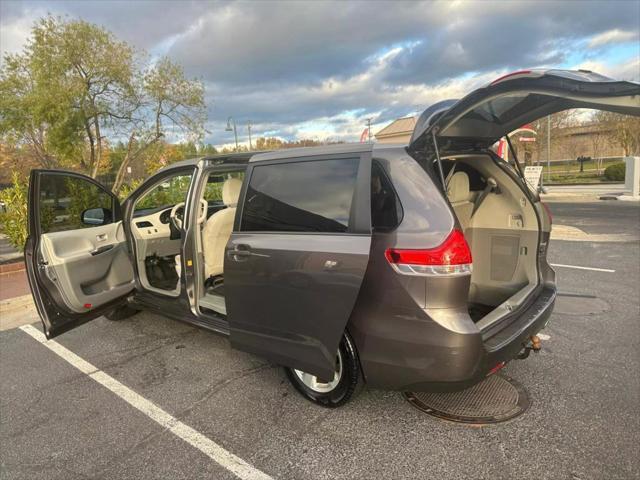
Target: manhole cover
{"type": "Point", "coordinates": [495, 399]}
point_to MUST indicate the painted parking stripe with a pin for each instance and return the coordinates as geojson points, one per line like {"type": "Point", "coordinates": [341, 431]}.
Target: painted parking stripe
{"type": "Point", "coordinates": [607, 270]}
{"type": "Point", "coordinates": [215, 452]}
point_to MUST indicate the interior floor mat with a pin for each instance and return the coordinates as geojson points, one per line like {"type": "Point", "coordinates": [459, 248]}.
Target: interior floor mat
{"type": "Point", "coordinates": [161, 272]}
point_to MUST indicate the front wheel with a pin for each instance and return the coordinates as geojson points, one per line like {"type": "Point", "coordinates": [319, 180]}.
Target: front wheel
{"type": "Point", "coordinates": [347, 380]}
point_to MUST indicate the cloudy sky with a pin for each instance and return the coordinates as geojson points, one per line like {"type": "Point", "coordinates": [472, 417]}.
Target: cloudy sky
{"type": "Point", "coordinates": [320, 69]}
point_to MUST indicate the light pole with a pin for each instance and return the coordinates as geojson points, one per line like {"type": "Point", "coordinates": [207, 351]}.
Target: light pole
{"type": "Point", "coordinates": [548, 148]}
{"type": "Point", "coordinates": [234, 130]}
{"type": "Point", "coordinates": [249, 128]}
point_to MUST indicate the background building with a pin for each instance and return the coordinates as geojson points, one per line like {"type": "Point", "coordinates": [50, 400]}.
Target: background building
{"type": "Point", "coordinates": [398, 131]}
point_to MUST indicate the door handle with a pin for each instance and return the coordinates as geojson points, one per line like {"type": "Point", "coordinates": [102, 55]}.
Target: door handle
{"type": "Point", "coordinates": [239, 252]}
{"type": "Point", "coordinates": [98, 251]}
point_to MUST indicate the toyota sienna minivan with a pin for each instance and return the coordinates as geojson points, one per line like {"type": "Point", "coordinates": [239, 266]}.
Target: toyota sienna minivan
{"type": "Point", "coordinates": [417, 267]}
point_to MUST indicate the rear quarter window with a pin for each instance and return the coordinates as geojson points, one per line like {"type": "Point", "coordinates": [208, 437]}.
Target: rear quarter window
{"type": "Point", "coordinates": [302, 196]}
{"type": "Point", "coordinates": [386, 210]}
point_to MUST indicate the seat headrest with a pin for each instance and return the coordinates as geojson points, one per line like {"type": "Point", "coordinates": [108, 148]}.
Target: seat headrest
{"type": "Point", "coordinates": [458, 187]}
{"type": "Point", "coordinates": [231, 191]}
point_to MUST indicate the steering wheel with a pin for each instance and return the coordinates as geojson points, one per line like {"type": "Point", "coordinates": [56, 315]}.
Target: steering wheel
{"type": "Point", "coordinates": [205, 209]}
{"type": "Point", "coordinates": [177, 222]}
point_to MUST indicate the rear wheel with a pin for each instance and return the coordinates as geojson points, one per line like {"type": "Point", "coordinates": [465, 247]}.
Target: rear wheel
{"type": "Point", "coordinates": [347, 380]}
{"type": "Point", "coordinates": [121, 312]}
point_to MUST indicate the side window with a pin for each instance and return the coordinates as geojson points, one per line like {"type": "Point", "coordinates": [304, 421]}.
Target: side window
{"type": "Point", "coordinates": [308, 196]}
{"type": "Point", "coordinates": [165, 194]}
{"type": "Point", "coordinates": [69, 203]}
{"type": "Point", "coordinates": [213, 190]}
{"type": "Point", "coordinates": [386, 211]}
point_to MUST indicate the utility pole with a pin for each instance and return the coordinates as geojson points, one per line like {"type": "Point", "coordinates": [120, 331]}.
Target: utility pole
{"type": "Point", "coordinates": [249, 129]}
{"type": "Point", "coordinates": [548, 148]}
{"type": "Point", "coordinates": [369, 129]}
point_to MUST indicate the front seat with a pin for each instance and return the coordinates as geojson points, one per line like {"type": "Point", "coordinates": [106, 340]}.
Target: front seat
{"type": "Point", "coordinates": [217, 230]}
{"type": "Point", "coordinates": [459, 194]}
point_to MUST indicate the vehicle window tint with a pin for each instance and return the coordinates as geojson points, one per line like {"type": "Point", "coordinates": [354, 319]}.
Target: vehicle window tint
{"type": "Point", "coordinates": [64, 199]}
{"type": "Point", "coordinates": [311, 196]}
{"type": "Point", "coordinates": [386, 211]}
{"type": "Point", "coordinates": [165, 194]}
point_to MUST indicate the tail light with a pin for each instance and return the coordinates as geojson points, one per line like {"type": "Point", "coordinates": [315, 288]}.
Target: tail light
{"type": "Point", "coordinates": [451, 258]}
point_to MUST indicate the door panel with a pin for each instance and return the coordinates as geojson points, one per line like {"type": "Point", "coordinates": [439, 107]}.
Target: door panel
{"type": "Point", "coordinates": [296, 259]}
{"type": "Point", "coordinates": [66, 256]}
{"type": "Point", "coordinates": [76, 252]}
{"type": "Point", "coordinates": [291, 295]}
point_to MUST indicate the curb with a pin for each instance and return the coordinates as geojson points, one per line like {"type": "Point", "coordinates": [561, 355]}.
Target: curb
{"type": "Point", "coordinates": [17, 311]}
{"type": "Point", "coordinates": [624, 198]}
{"type": "Point", "coordinates": [16, 303]}
{"type": "Point", "coordinates": [12, 267]}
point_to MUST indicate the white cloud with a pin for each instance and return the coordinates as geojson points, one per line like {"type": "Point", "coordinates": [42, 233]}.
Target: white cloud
{"type": "Point", "coordinates": [14, 34]}
{"type": "Point", "coordinates": [620, 71]}
{"type": "Point", "coordinates": [320, 69]}
{"type": "Point", "coordinates": [612, 36]}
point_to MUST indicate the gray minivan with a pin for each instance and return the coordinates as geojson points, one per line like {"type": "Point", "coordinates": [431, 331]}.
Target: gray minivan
{"type": "Point", "coordinates": [411, 267]}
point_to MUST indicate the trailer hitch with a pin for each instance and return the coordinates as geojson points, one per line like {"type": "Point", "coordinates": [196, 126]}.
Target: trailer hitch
{"type": "Point", "coordinates": [533, 344]}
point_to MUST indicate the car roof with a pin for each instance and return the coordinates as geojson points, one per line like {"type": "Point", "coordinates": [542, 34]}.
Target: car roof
{"type": "Point", "coordinates": [261, 155]}
{"type": "Point", "coordinates": [220, 159]}
{"type": "Point", "coordinates": [313, 151]}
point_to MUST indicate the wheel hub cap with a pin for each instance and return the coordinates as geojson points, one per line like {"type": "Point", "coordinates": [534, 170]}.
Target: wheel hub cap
{"type": "Point", "coordinates": [317, 385]}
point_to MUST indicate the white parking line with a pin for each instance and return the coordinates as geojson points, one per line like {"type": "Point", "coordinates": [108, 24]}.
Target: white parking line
{"type": "Point", "coordinates": [607, 270]}
{"type": "Point", "coordinates": [215, 452]}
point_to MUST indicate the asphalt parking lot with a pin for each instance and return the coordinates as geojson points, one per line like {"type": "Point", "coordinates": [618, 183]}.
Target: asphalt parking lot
{"type": "Point", "coordinates": [58, 423]}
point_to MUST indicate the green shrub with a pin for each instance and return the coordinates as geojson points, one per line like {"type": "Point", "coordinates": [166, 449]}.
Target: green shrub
{"type": "Point", "coordinates": [13, 218]}
{"type": "Point", "coordinates": [615, 172]}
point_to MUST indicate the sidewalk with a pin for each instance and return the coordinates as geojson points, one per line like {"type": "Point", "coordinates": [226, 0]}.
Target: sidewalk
{"type": "Point", "coordinates": [13, 284]}
{"type": "Point", "coordinates": [16, 303]}
{"type": "Point", "coordinates": [586, 192]}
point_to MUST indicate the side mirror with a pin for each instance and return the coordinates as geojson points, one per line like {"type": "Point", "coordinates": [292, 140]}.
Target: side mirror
{"type": "Point", "coordinates": [96, 216]}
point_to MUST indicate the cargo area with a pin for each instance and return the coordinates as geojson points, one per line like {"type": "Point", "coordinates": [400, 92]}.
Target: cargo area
{"type": "Point", "coordinates": [500, 225]}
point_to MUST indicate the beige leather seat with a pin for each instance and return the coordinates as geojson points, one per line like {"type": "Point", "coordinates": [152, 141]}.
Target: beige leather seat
{"type": "Point", "coordinates": [459, 196]}
{"type": "Point", "coordinates": [217, 230]}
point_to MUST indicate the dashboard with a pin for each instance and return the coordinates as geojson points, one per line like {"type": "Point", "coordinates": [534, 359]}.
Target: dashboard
{"type": "Point", "coordinates": [156, 224]}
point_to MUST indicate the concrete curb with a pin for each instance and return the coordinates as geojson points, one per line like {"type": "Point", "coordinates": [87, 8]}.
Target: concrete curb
{"type": "Point", "coordinates": [623, 198]}
{"type": "Point", "coordinates": [15, 302]}
{"type": "Point", "coordinates": [17, 311]}
{"type": "Point", "coordinates": [12, 267]}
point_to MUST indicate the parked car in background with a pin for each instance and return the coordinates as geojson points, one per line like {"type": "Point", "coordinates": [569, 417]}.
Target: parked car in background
{"type": "Point", "coordinates": [411, 267]}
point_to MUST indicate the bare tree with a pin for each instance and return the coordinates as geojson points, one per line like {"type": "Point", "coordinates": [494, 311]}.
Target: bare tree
{"type": "Point", "coordinates": [598, 140]}
{"type": "Point", "coordinates": [625, 131]}
{"type": "Point", "coordinates": [558, 121]}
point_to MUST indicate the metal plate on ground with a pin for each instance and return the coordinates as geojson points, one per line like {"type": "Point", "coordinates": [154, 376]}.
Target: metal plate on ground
{"type": "Point", "coordinates": [495, 399]}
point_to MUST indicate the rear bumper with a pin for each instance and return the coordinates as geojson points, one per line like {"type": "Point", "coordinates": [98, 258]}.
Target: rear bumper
{"type": "Point", "coordinates": [507, 342]}
{"type": "Point", "coordinates": [421, 355]}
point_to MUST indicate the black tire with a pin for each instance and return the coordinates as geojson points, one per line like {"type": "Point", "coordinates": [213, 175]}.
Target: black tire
{"type": "Point", "coordinates": [121, 312]}
{"type": "Point", "coordinates": [348, 386]}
